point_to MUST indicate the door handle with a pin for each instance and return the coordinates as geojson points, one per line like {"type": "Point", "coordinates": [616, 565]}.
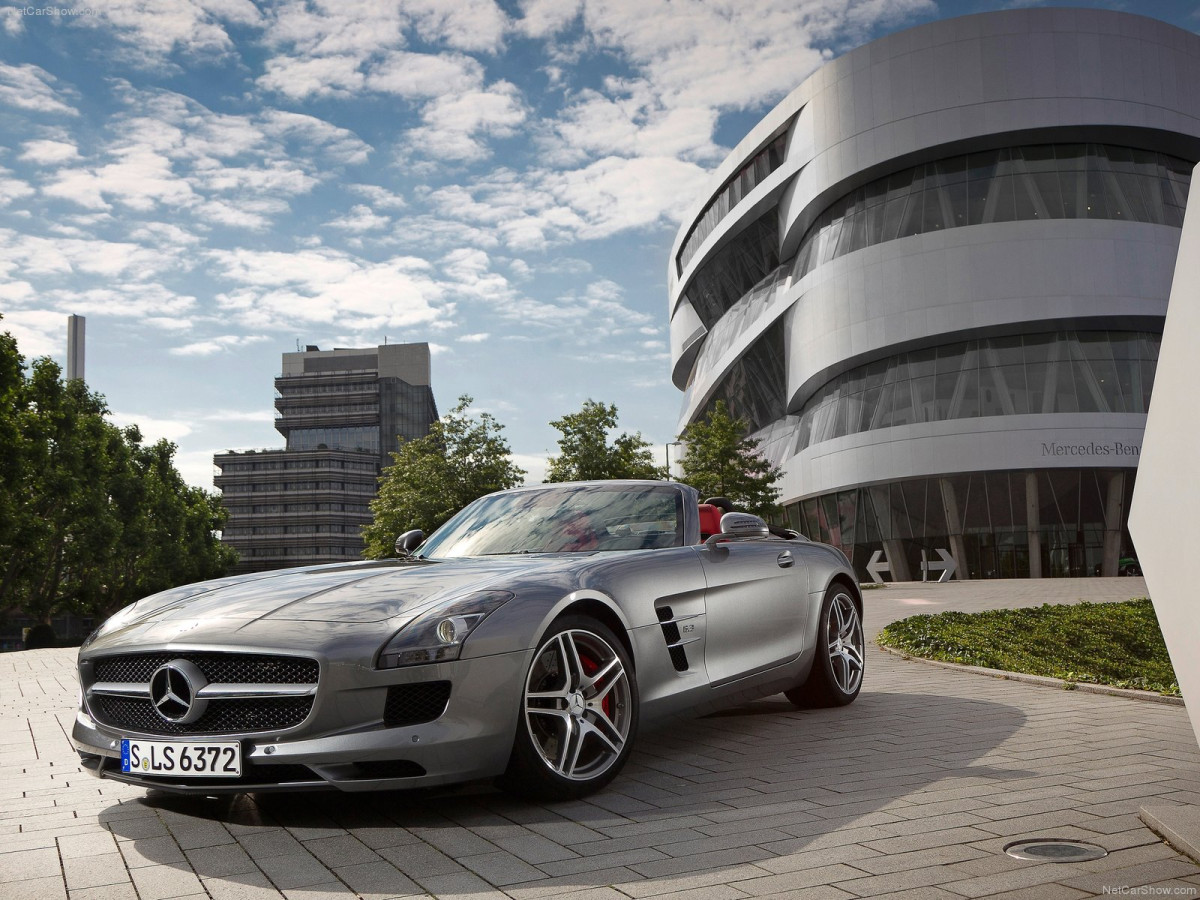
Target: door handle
{"type": "Point", "coordinates": [785, 559]}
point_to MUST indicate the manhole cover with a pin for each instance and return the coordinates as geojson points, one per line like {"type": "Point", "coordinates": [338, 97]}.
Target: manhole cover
{"type": "Point", "coordinates": [1057, 850]}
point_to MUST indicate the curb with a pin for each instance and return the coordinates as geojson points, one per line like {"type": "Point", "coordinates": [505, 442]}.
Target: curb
{"type": "Point", "coordinates": [1041, 680]}
{"type": "Point", "coordinates": [1179, 826]}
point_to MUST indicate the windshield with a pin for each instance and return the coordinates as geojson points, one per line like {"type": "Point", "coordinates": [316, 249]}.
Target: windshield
{"type": "Point", "coordinates": [575, 519]}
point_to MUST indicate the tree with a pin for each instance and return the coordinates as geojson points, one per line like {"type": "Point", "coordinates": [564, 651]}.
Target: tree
{"type": "Point", "coordinates": [720, 461]}
{"type": "Point", "coordinates": [431, 478]}
{"type": "Point", "coordinates": [586, 454]}
{"type": "Point", "coordinates": [90, 520]}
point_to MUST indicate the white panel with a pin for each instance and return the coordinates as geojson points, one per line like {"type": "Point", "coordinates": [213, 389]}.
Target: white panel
{"type": "Point", "coordinates": [1164, 519]}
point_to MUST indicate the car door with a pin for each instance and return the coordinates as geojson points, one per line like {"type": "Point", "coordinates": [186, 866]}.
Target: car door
{"type": "Point", "coordinates": [754, 605]}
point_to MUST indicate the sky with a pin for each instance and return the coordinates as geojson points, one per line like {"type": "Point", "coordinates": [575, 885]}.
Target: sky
{"type": "Point", "coordinates": [213, 183]}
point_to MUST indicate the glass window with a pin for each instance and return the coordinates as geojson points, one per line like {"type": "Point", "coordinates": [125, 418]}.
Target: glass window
{"type": "Point", "coordinates": [1021, 183]}
{"type": "Point", "coordinates": [1045, 373]}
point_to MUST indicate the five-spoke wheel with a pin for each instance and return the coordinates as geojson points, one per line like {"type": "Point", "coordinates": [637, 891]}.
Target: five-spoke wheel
{"type": "Point", "coordinates": [579, 712]}
{"type": "Point", "coordinates": [837, 670]}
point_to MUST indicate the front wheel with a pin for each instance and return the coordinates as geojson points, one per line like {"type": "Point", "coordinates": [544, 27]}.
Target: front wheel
{"type": "Point", "coordinates": [578, 715]}
{"type": "Point", "coordinates": [837, 671]}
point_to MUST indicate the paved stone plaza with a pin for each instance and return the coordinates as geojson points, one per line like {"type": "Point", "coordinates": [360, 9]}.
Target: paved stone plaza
{"type": "Point", "coordinates": [911, 792]}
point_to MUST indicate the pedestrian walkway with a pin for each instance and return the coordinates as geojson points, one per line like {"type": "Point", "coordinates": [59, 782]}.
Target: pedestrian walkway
{"type": "Point", "coordinates": [911, 792]}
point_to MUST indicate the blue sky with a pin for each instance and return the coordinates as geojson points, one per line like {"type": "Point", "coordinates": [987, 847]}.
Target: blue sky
{"type": "Point", "coordinates": [212, 181]}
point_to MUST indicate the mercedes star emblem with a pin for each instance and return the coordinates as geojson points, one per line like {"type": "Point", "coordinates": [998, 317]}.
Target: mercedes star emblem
{"type": "Point", "coordinates": [175, 689]}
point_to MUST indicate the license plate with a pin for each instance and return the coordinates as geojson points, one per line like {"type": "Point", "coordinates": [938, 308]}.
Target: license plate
{"type": "Point", "coordinates": [182, 760]}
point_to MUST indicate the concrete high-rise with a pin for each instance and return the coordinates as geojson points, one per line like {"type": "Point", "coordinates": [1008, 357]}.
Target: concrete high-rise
{"type": "Point", "coordinates": [341, 413]}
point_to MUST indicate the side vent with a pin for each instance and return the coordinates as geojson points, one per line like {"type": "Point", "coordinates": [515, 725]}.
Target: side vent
{"type": "Point", "coordinates": [675, 642]}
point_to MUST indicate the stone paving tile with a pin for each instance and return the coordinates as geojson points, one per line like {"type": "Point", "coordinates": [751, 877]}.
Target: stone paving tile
{"type": "Point", "coordinates": [255, 886]}
{"type": "Point", "coordinates": [221, 861]}
{"type": "Point", "coordinates": [48, 888]}
{"type": "Point", "coordinates": [340, 850]}
{"type": "Point", "coordinates": [376, 880]}
{"type": "Point", "coordinates": [94, 871]}
{"type": "Point", "coordinates": [332, 891]}
{"type": "Point", "coordinates": [568, 885]}
{"type": "Point", "coordinates": [153, 852]}
{"type": "Point", "coordinates": [163, 882]}
{"type": "Point", "coordinates": [297, 870]}
{"type": "Point", "coordinates": [107, 892]}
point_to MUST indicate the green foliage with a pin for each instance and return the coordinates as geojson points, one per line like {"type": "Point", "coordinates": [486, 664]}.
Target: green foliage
{"type": "Point", "coordinates": [90, 518]}
{"type": "Point", "coordinates": [720, 461]}
{"type": "Point", "coordinates": [431, 478]}
{"type": "Point", "coordinates": [587, 455]}
{"type": "Point", "coordinates": [1118, 644]}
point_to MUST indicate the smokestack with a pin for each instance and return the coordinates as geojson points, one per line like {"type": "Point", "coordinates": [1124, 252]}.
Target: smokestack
{"type": "Point", "coordinates": [76, 328]}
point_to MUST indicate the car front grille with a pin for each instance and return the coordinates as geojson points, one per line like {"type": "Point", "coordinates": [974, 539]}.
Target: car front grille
{"type": "Point", "coordinates": [223, 668]}
{"type": "Point", "coordinates": [244, 693]}
{"type": "Point", "coordinates": [221, 717]}
{"type": "Point", "coordinates": [412, 704]}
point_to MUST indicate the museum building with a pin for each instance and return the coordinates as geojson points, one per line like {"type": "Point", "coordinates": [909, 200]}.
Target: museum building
{"type": "Point", "coordinates": [933, 281]}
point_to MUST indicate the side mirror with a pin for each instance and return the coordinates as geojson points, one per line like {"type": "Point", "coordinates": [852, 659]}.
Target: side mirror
{"type": "Point", "coordinates": [740, 526]}
{"type": "Point", "coordinates": [408, 542]}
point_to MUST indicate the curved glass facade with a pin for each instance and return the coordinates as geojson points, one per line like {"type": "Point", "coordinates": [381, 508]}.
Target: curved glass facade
{"type": "Point", "coordinates": [755, 388]}
{"type": "Point", "coordinates": [735, 269]}
{"type": "Point", "coordinates": [1042, 181]}
{"type": "Point", "coordinates": [747, 179]}
{"type": "Point", "coordinates": [1064, 372]}
{"type": "Point", "coordinates": [1018, 524]}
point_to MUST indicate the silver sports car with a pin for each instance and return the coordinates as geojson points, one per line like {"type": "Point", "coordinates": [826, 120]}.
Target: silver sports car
{"type": "Point", "coordinates": [525, 640]}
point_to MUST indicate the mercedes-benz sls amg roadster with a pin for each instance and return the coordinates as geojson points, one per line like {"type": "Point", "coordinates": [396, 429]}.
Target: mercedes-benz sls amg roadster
{"type": "Point", "coordinates": [525, 641]}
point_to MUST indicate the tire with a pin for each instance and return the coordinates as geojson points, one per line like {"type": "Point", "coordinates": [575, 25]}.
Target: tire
{"type": "Point", "coordinates": [837, 672]}
{"type": "Point", "coordinates": [578, 716]}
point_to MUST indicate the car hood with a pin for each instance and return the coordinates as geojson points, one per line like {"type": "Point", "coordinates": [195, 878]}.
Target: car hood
{"type": "Point", "coordinates": [354, 593]}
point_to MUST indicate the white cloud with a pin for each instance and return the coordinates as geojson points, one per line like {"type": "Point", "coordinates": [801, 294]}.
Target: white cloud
{"type": "Point", "coordinates": [280, 290]}
{"type": "Point", "coordinates": [360, 218]}
{"type": "Point", "coordinates": [153, 429]}
{"type": "Point", "coordinates": [534, 464]}
{"type": "Point", "coordinates": [321, 76]}
{"type": "Point", "coordinates": [32, 88]}
{"type": "Point", "coordinates": [38, 256]}
{"type": "Point", "coordinates": [379, 196]}
{"type": "Point", "coordinates": [39, 332]}
{"type": "Point", "coordinates": [424, 75]}
{"type": "Point", "coordinates": [49, 153]}
{"type": "Point", "coordinates": [477, 338]}
{"type": "Point", "coordinates": [220, 344]}
{"type": "Point", "coordinates": [10, 20]}
{"type": "Point", "coordinates": [150, 30]}
{"type": "Point", "coordinates": [543, 18]}
{"type": "Point", "coordinates": [455, 124]}
{"type": "Point", "coordinates": [12, 188]}
{"type": "Point", "coordinates": [169, 152]}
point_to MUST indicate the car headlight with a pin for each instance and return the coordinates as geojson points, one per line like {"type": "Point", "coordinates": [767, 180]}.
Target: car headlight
{"type": "Point", "coordinates": [438, 635]}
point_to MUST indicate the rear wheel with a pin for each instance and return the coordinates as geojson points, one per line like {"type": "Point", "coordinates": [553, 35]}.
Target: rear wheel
{"type": "Point", "coordinates": [837, 671]}
{"type": "Point", "coordinates": [578, 714]}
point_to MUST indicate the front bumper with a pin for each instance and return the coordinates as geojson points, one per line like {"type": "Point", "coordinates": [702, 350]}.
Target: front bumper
{"type": "Point", "coordinates": [344, 744]}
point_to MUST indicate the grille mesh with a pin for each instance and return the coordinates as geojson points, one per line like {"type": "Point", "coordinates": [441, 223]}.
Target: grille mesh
{"type": "Point", "coordinates": [221, 717]}
{"type": "Point", "coordinates": [218, 668]}
{"type": "Point", "coordinates": [411, 704]}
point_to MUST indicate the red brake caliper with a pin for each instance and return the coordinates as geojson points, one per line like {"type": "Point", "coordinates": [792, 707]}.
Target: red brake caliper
{"type": "Point", "coordinates": [591, 667]}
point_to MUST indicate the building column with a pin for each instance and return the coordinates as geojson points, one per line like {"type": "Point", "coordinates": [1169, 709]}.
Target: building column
{"type": "Point", "coordinates": [1114, 510]}
{"type": "Point", "coordinates": [1033, 522]}
{"type": "Point", "coordinates": [958, 547]}
{"type": "Point", "coordinates": [897, 560]}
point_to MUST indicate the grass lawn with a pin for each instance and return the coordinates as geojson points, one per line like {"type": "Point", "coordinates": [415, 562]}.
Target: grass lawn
{"type": "Point", "coordinates": [1118, 644]}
